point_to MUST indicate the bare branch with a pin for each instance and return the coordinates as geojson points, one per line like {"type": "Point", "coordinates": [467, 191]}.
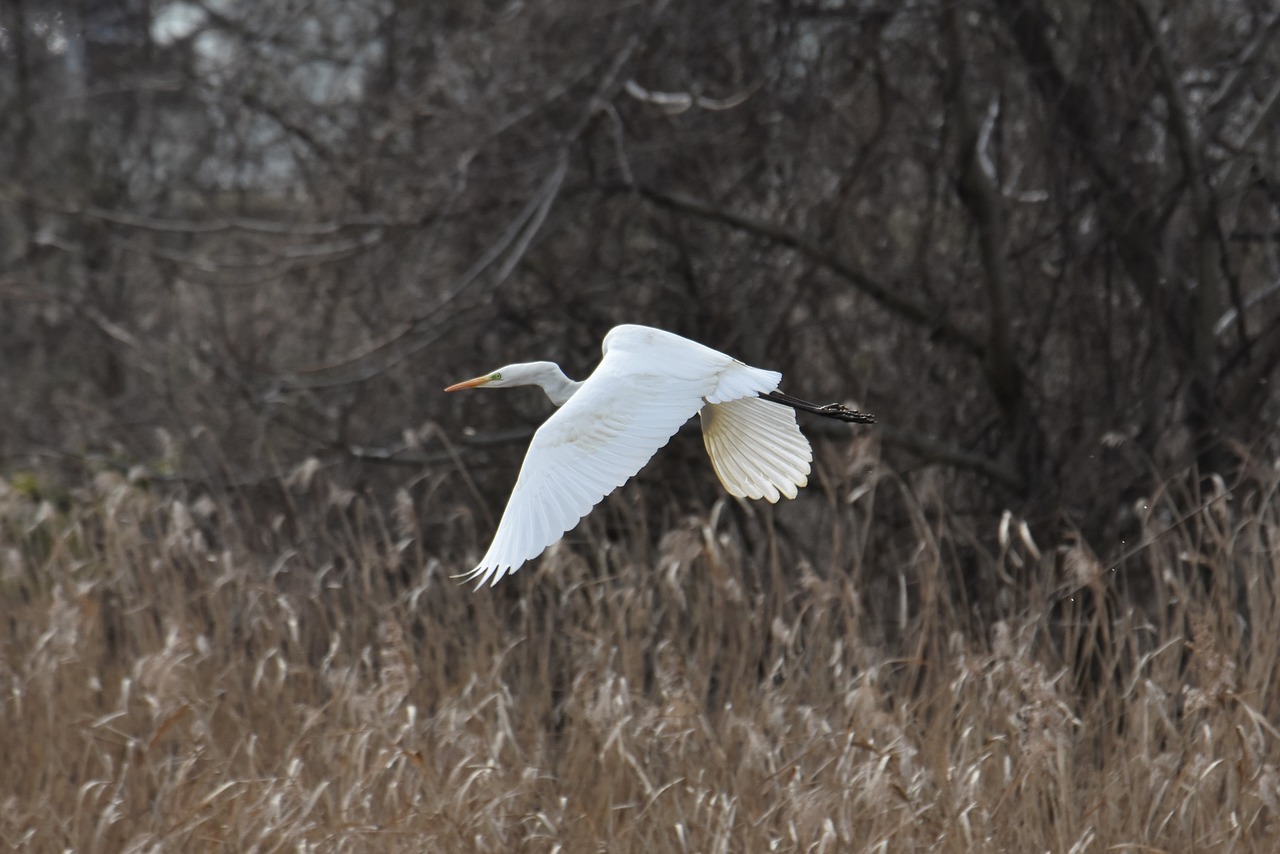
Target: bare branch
{"type": "Point", "coordinates": [981, 197]}
{"type": "Point", "coordinates": [217, 225]}
{"type": "Point", "coordinates": [1130, 220]}
{"type": "Point", "coordinates": [1238, 73]}
{"type": "Point", "coordinates": [934, 320]}
{"type": "Point", "coordinates": [675, 103]}
{"type": "Point", "coordinates": [428, 327]}
{"type": "Point", "coordinates": [933, 451]}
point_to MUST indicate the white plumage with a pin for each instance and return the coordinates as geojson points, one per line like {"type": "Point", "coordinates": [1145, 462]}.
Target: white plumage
{"type": "Point", "coordinates": [648, 384]}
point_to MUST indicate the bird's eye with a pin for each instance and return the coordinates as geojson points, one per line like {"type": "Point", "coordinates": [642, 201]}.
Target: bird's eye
{"type": "Point", "coordinates": [496, 376]}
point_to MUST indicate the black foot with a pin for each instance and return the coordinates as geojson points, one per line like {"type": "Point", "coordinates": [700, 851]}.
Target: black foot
{"type": "Point", "coordinates": [844, 413]}
{"type": "Point", "coordinates": [838, 411]}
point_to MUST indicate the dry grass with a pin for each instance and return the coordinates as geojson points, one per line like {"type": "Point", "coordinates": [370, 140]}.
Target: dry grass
{"type": "Point", "coordinates": [178, 676]}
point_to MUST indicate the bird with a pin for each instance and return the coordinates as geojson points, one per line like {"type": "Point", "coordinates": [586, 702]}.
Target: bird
{"type": "Point", "coordinates": [647, 385]}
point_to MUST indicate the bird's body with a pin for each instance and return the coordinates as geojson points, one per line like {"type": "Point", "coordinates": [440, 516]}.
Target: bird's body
{"type": "Point", "coordinates": [649, 383]}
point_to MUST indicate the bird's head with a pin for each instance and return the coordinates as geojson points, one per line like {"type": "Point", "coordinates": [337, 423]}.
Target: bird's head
{"type": "Point", "coordinates": [523, 373]}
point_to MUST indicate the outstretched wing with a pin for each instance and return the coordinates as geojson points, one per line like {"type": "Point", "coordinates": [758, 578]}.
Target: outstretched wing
{"type": "Point", "coordinates": [647, 386]}
{"type": "Point", "coordinates": [756, 447]}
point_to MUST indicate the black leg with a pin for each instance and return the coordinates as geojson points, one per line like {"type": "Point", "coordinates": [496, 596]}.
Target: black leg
{"type": "Point", "coordinates": [838, 411]}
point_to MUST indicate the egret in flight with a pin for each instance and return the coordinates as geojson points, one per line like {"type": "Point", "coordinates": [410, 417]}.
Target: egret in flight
{"type": "Point", "coordinates": [648, 384]}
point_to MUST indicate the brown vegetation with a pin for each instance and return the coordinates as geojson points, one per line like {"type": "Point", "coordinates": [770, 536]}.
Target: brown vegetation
{"type": "Point", "coordinates": [177, 677]}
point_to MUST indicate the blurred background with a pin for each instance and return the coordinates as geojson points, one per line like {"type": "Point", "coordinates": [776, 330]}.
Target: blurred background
{"type": "Point", "coordinates": [244, 245]}
{"type": "Point", "coordinates": [1037, 239]}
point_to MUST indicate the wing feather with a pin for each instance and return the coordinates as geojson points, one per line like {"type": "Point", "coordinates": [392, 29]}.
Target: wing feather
{"type": "Point", "coordinates": [729, 458]}
{"type": "Point", "coordinates": [782, 444]}
{"type": "Point", "coordinates": [756, 447]}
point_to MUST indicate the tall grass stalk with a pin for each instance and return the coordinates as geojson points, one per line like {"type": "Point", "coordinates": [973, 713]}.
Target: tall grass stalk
{"type": "Point", "coordinates": [180, 674]}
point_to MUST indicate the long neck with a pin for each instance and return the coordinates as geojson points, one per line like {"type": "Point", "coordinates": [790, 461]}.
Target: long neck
{"type": "Point", "coordinates": [557, 386]}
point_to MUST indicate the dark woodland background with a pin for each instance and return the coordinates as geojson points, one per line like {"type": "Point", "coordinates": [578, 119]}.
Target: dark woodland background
{"type": "Point", "coordinates": [244, 245]}
{"type": "Point", "coordinates": [1038, 239]}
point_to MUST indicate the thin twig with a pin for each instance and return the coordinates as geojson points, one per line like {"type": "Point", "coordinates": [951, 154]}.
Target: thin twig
{"type": "Point", "coordinates": [933, 319]}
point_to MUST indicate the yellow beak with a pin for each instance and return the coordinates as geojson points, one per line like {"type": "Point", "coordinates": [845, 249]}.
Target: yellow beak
{"type": "Point", "coordinates": [478, 381]}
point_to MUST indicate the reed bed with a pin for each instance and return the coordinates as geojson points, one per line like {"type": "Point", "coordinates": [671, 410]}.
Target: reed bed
{"type": "Point", "coordinates": [178, 673]}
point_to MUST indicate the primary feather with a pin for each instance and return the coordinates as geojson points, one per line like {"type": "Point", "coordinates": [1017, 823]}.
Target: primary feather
{"type": "Point", "coordinates": [648, 384]}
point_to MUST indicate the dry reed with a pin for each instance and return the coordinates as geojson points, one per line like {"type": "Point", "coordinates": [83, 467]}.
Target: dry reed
{"type": "Point", "coordinates": [177, 675]}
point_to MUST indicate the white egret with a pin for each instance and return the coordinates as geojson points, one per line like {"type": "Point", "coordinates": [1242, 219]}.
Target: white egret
{"type": "Point", "coordinates": [648, 384]}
